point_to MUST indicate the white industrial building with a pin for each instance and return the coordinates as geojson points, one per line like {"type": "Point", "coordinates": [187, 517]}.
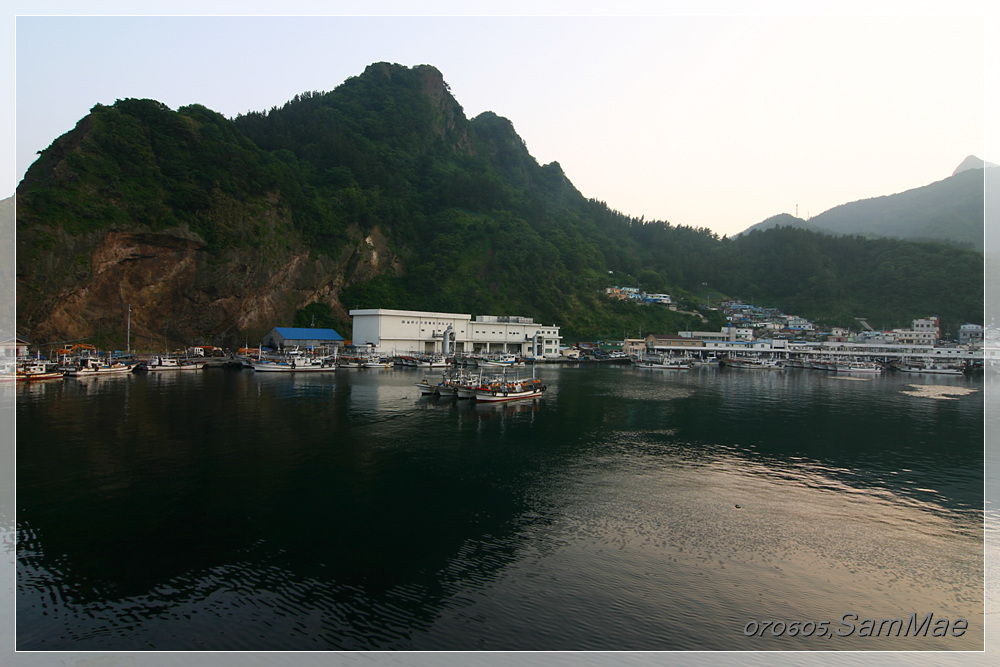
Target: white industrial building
{"type": "Point", "coordinates": [409, 331]}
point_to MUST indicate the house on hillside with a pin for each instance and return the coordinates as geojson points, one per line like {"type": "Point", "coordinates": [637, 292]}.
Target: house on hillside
{"type": "Point", "coordinates": [303, 338]}
{"type": "Point", "coordinates": [970, 334]}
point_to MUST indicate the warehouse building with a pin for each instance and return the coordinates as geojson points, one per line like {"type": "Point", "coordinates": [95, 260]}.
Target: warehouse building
{"type": "Point", "coordinates": [409, 331]}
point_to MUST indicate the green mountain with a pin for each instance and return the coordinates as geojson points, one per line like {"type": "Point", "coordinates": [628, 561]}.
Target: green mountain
{"type": "Point", "coordinates": [381, 193]}
{"type": "Point", "coordinates": [949, 211]}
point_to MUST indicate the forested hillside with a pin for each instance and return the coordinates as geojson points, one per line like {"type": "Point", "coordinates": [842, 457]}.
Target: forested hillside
{"type": "Point", "coordinates": [381, 193]}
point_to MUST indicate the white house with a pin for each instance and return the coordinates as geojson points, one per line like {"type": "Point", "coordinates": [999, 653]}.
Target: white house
{"type": "Point", "coordinates": [14, 347]}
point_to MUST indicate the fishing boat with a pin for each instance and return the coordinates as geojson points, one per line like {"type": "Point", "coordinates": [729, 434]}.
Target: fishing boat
{"type": "Point", "coordinates": [432, 361]}
{"type": "Point", "coordinates": [664, 364]}
{"type": "Point", "coordinates": [296, 364]}
{"type": "Point", "coordinates": [503, 388]}
{"type": "Point", "coordinates": [857, 366]}
{"type": "Point", "coordinates": [425, 386]}
{"type": "Point", "coordinates": [92, 367]}
{"type": "Point", "coordinates": [750, 363]}
{"type": "Point", "coordinates": [351, 362]}
{"type": "Point", "coordinates": [36, 371]}
{"type": "Point", "coordinates": [500, 360]}
{"type": "Point", "coordinates": [458, 385]}
{"type": "Point", "coordinates": [159, 364]}
{"type": "Point", "coordinates": [929, 368]}
{"type": "Point", "coordinates": [376, 361]}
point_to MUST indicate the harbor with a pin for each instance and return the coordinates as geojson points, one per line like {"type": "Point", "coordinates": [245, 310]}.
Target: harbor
{"type": "Point", "coordinates": [229, 509]}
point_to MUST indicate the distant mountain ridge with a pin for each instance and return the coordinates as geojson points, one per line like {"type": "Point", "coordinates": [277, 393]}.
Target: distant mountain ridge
{"type": "Point", "coordinates": [972, 162]}
{"type": "Point", "coordinates": [949, 211]}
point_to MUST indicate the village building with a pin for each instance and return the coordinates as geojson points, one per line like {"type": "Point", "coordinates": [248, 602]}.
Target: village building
{"type": "Point", "coordinates": [287, 338]}
{"type": "Point", "coordinates": [391, 331]}
{"type": "Point", "coordinates": [664, 342]}
{"type": "Point", "coordinates": [970, 334]}
{"type": "Point", "coordinates": [634, 347]}
{"type": "Point", "coordinates": [13, 348]}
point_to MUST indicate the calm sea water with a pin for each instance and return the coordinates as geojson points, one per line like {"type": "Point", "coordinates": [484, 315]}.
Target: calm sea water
{"type": "Point", "coordinates": [624, 510]}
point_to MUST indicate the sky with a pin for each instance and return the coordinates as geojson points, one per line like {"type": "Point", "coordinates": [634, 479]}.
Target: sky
{"type": "Point", "coordinates": [714, 115]}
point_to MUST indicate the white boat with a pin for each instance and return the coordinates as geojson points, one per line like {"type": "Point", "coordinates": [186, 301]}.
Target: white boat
{"type": "Point", "coordinates": [426, 387]}
{"type": "Point", "coordinates": [36, 371]}
{"type": "Point", "coordinates": [296, 364]}
{"type": "Point", "coordinates": [159, 364]}
{"type": "Point", "coordinates": [664, 364]}
{"type": "Point", "coordinates": [751, 363]}
{"type": "Point", "coordinates": [930, 368]}
{"type": "Point", "coordinates": [500, 360]}
{"type": "Point", "coordinates": [434, 361]}
{"type": "Point", "coordinates": [378, 362]}
{"type": "Point", "coordinates": [446, 389]}
{"type": "Point", "coordinates": [503, 388]}
{"type": "Point", "coordinates": [458, 384]}
{"type": "Point", "coordinates": [91, 367]}
{"type": "Point", "coordinates": [466, 390]}
{"type": "Point", "coordinates": [869, 367]}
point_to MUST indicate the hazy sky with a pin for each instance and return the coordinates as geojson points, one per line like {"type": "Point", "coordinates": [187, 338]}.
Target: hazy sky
{"type": "Point", "coordinates": [715, 121]}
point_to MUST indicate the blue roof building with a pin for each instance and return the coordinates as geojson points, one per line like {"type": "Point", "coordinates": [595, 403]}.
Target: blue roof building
{"type": "Point", "coordinates": [303, 337]}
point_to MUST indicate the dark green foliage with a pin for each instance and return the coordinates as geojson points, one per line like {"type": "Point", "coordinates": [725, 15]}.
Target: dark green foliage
{"type": "Point", "coordinates": [318, 316]}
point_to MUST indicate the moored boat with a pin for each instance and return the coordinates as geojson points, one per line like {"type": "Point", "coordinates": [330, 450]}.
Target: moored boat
{"type": "Point", "coordinates": [36, 371]}
{"type": "Point", "coordinates": [91, 367]}
{"type": "Point", "coordinates": [503, 388]}
{"type": "Point", "coordinates": [854, 366]}
{"type": "Point", "coordinates": [750, 363]}
{"type": "Point", "coordinates": [159, 364]}
{"type": "Point", "coordinates": [425, 386]}
{"type": "Point", "coordinates": [664, 364]}
{"type": "Point", "coordinates": [929, 368]}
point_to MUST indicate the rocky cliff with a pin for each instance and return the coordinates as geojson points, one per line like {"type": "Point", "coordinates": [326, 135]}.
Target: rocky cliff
{"type": "Point", "coordinates": [179, 292]}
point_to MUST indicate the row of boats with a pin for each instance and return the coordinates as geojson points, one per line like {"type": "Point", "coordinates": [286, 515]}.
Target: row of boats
{"type": "Point", "coordinates": [486, 388]}
{"type": "Point", "coordinates": [301, 362]}
{"type": "Point", "coordinates": [294, 361]}
{"type": "Point", "coordinates": [88, 367]}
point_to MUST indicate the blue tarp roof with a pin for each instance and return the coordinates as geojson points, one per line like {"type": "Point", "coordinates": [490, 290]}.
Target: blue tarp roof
{"type": "Point", "coordinates": [299, 333]}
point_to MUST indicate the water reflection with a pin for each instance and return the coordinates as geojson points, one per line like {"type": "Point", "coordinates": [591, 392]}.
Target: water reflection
{"type": "Point", "coordinates": [619, 511]}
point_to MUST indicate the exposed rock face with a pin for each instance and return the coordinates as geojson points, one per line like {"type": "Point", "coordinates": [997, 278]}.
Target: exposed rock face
{"type": "Point", "coordinates": [179, 293]}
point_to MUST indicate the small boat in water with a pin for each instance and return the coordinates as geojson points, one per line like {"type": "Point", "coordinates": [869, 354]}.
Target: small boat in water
{"type": "Point", "coordinates": [854, 366]}
{"type": "Point", "coordinates": [432, 361]}
{"type": "Point", "coordinates": [425, 386]}
{"type": "Point", "coordinates": [36, 371]}
{"type": "Point", "coordinates": [160, 364]}
{"type": "Point", "coordinates": [750, 363]}
{"type": "Point", "coordinates": [929, 368]}
{"type": "Point", "coordinates": [664, 363]}
{"type": "Point", "coordinates": [91, 367]}
{"type": "Point", "coordinates": [503, 388]}
{"type": "Point", "coordinates": [296, 364]}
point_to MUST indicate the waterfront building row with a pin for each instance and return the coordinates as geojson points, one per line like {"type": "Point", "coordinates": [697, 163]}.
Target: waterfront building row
{"type": "Point", "coordinates": [780, 348]}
